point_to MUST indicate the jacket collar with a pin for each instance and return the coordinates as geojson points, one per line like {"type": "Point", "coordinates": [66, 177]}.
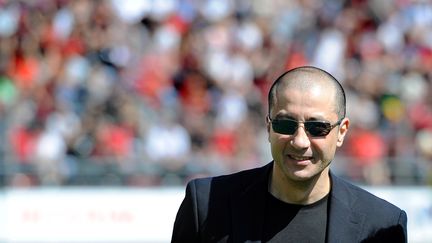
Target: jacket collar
{"type": "Point", "coordinates": [344, 224]}
{"type": "Point", "coordinates": [248, 208]}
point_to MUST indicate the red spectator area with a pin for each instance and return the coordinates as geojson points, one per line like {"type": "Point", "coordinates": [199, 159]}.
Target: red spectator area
{"type": "Point", "coordinates": [149, 93]}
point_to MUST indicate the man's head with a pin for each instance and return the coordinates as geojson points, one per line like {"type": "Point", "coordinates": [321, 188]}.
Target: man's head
{"type": "Point", "coordinates": [306, 122]}
{"type": "Point", "coordinates": [289, 77]}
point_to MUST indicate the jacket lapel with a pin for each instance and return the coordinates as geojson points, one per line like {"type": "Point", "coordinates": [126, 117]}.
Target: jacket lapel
{"type": "Point", "coordinates": [344, 224]}
{"type": "Point", "coordinates": [248, 209]}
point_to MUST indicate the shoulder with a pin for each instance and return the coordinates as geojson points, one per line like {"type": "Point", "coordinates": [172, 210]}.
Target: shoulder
{"type": "Point", "coordinates": [230, 182]}
{"type": "Point", "coordinates": [362, 200]}
{"type": "Point", "coordinates": [382, 221]}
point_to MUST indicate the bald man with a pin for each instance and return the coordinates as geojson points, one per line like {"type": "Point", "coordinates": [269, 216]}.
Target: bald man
{"type": "Point", "coordinates": [294, 198]}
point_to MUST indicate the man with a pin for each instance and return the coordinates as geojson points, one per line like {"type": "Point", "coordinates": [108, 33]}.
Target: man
{"type": "Point", "coordinates": [295, 198]}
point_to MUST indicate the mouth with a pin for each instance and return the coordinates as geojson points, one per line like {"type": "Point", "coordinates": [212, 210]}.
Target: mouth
{"type": "Point", "coordinates": [299, 158]}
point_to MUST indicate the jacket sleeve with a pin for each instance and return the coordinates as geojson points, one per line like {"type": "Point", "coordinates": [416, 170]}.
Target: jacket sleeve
{"type": "Point", "coordinates": [186, 227]}
{"type": "Point", "coordinates": [403, 219]}
{"type": "Point", "coordinates": [396, 233]}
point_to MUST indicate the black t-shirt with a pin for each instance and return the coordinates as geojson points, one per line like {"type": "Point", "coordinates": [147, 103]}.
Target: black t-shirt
{"type": "Point", "coordinates": [286, 222]}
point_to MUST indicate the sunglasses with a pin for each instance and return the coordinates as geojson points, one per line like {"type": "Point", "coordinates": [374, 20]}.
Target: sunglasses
{"type": "Point", "coordinates": [314, 128]}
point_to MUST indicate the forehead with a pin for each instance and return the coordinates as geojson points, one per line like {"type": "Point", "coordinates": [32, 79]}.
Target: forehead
{"type": "Point", "coordinates": [305, 79]}
{"type": "Point", "coordinates": [306, 98]}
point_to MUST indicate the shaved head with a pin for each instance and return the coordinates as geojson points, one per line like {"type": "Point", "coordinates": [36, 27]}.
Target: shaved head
{"type": "Point", "coordinates": [304, 78]}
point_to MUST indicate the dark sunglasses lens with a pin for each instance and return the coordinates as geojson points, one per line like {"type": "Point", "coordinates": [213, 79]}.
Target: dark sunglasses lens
{"type": "Point", "coordinates": [318, 129]}
{"type": "Point", "coordinates": [284, 126]}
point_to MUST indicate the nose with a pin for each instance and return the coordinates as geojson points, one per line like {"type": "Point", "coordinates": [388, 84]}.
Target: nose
{"type": "Point", "coordinates": [300, 139]}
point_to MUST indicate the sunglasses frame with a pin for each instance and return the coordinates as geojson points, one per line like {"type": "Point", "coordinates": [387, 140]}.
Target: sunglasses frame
{"type": "Point", "coordinates": [306, 127]}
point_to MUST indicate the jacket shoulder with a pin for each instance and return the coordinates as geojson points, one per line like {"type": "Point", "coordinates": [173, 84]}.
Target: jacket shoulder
{"type": "Point", "coordinates": [382, 221]}
{"type": "Point", "coordinates": [366, 202]}
{"type": "Point", "coordinates": [230, 182]}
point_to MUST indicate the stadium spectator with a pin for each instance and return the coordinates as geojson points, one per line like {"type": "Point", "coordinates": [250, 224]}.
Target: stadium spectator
{"type": "Point", "coordinates": [212, 63]}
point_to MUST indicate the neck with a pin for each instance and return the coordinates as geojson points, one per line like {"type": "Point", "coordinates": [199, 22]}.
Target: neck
{"type": "Point", "coordinates": [300, 192]}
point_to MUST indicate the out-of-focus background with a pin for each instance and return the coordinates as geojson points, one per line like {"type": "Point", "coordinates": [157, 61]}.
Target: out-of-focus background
{"type": "Point", "coordinates": [103, 100]}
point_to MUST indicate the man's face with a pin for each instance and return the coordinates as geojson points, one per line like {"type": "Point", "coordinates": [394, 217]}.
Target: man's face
{"type": "Point", "coordinates": [301, 157]}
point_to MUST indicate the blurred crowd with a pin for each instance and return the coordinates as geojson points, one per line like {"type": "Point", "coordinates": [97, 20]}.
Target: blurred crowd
{"type": "Point", "coordinates": [155, 92]}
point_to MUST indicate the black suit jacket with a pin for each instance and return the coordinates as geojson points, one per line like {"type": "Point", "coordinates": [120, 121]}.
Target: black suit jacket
{"type": "Point", "coordinates": [230, 208]}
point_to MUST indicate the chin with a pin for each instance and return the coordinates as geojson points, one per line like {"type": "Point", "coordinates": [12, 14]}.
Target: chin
{"type": "Point", "coordinates": [304, 175]}
{"type": "Point", "coordinates": [301, 177]}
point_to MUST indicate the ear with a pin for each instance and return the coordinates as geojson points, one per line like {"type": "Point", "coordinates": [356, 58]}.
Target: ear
{"type": "Point", "coordinates": [268, 125]}
{"type": "Point", "coordinates": [343, 129]}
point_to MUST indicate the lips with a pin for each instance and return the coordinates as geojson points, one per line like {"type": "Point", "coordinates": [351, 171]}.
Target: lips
{"type": "Point", "coordinates": [299, 158]}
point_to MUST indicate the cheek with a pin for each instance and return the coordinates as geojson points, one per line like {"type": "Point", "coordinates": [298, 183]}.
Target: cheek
{"type": "Point", "coordinates": [325, 149]}
{"type": "Point", "coordinates": [277, 143]}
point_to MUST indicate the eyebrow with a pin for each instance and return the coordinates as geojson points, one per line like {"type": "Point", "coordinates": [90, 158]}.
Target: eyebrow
{"type": "Point", "coordinates": [288, 116]}
{"type": "Point", "coordinates": [284, 116]}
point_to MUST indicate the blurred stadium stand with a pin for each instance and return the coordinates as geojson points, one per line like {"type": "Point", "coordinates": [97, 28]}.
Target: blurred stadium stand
{"type": "Point", "coordinates": [149, 93]}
